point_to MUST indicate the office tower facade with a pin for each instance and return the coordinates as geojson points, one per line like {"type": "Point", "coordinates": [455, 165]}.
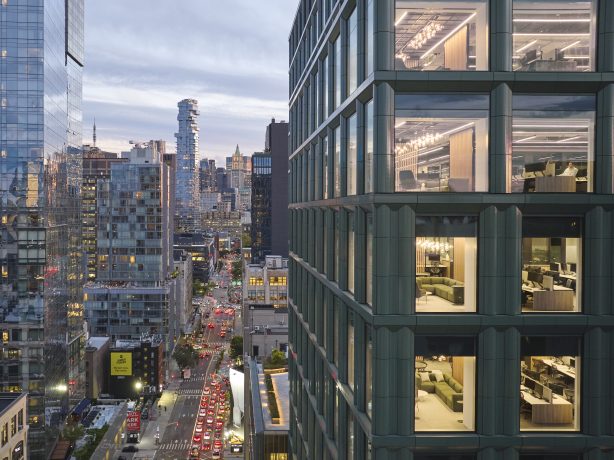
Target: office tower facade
{"type": "Point", "coordinates": [207, 175]}
{"type": "Point", "coordinates": [276, 143]}
{"type": "Point", "coordinates": [261, 206]}
{"type": "Point", "coordinates": [451, 188]}
{"type": "Point", "coordinates": [41, 309]}
{"type": "Point", "coordinates": [269, 230]}
{"type": "Point", "coordinates": [187, 173]}
{"type": "Point", "coordinates": [133, 291]}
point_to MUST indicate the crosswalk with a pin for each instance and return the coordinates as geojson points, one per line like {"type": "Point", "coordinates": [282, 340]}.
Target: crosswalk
{"type": "Point", "coordinates": [215, 344]}
{"type": "Point", "coordinates": [180, 445]}
{"type": "Point", "coordinates": [189, 391]}
{"type": "Point", "coordinates": [198, 378]}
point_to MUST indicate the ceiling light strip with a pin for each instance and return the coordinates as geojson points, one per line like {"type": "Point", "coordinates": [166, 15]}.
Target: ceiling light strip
{"type": "Point", "coordinates": [571, 45]}
{"type": "Point", "coordinates": [400, 19]}
{"type": "Point", "coordinates": [522, 48]}
{"type": "Point", "coordinates": [458, 27]}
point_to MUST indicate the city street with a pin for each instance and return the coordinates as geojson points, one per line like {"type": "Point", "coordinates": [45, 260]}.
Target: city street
{"type": "Point", "coordinates": [176, 431]}
{"type": "Point", "coordinates": [169, 432]}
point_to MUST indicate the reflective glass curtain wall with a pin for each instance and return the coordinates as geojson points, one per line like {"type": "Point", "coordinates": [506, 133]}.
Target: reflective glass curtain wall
{"type": "Point", "coordinates": [41, 60]}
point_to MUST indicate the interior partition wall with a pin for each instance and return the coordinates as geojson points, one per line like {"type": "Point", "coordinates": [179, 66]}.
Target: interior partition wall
{"type": "Point", "coordinates": [450, 267]}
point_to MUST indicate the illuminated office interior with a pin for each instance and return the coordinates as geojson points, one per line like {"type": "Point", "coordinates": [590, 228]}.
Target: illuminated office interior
{"type": "Point", "coordinates": [446, 264]}
{"type": "Point", "coordinates": [441, 142]}
{"type": "Point", "coordinates": [549, 383]}
{"type": "Point", "coordinates": [441, 35]}
{"type": "Point", "coordinates": [554, 36]}
{"type": "Point", "coordinates": [553, 139]}
{"type": "Point", "coordinates": [445, 384]}
{"type": "Point", "coordinates": [551, 265]}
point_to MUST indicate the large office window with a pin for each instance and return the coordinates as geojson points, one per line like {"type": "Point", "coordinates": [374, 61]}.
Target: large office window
{"type": "Point", "coordinates": [336, 330]}
{"type": "Point", "coordinates": [350, 438]}
{"type": "Point", "coordinates": [317, 103]}
{"type": "Point", "coordinates": [352, 154]}
{"type": "Point", "coordinates": [337, 248]}
{"type": "Point", "coordinates": [352, 50]}
{"type": "Point", "coordinates": [351, 251]}
{"type": "Point", "coordinates": [549, 384]}
{"type": "Point", "coordinates": [441, 143]}
{"type": "Point", "coordinates": [325, 89]}
{"type": "Point", "coordinates": [369, 260]}
{"type": "Point", "coordinates": [554, 35]}
{"type": "Point", "coordinates": [446, 264]}
{"type": "Point", "coordinates": [337, 73]}
{"type": "Point", "coordinates": [337, 161]}
{"type": "Point", "coordinates": [351, 351]}
{"type": "Point", "coordinates": [551, 264]}
{"type": "Point", "coordinates": [445, 383]}
{"type": "Point", "coordinates": [370, 36]}
{"type": "Point", "coordinates": [369, 171]}
{"type": "Point", "coordinates": [325, 169]}
{"type": "Point", "coordinates": [441, 35]}
{"type": "Point", "coordinates": [368, 371]}
{"type": "Point", "coordinates": [553, 143]}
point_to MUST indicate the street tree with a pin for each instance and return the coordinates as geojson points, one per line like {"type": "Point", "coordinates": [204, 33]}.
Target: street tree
{"type": "Point", "coordinates": [236, 346]}
{"type": "Point", "coordinates": [185, 356]}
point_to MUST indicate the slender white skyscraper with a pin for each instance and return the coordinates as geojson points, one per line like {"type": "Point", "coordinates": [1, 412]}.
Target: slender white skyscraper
{"type": "Point", "coordinates": [187, 190]}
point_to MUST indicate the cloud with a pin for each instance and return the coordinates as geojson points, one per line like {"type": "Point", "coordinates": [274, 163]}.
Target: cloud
{"type": "Point", "coordinates": [142, 57]}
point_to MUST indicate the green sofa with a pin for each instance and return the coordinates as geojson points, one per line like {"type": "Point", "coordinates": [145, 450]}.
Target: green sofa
{"type": "Point", "coordinates": [446, 288]}
{"type": "Point", "coordinates": [450, 391]}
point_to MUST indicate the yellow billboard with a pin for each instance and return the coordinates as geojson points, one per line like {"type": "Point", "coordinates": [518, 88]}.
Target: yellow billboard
{"type": "Point", "coordinates": [121, 363]}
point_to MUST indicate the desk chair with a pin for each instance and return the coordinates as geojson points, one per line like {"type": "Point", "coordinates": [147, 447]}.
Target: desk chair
{"type": "Point", "coordinates": [569, 394]}
{"type": "Point", "coordinates": [421, 293]}
{"type": "Point", "coordinates": [525, 409]}
{"type": "Point", "coordinates": [550, 168]}
{"type": "Point", "coordinates": [408, 180]}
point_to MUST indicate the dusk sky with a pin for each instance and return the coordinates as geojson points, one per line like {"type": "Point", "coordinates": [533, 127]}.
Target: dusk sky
{"type": "Point", "coordinates": [142, 57]}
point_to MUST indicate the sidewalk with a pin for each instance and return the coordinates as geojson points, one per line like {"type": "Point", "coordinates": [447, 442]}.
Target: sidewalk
{"type": "Point", "coordinates": [111, 443]}
{"type": "Point", "coordinates": [157, 426]}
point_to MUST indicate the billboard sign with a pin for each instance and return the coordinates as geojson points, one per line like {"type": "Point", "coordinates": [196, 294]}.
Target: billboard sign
{"type": "Point", "coordinates": [121, 363]}
{"type": "Point", "coordinates": [133, 421]}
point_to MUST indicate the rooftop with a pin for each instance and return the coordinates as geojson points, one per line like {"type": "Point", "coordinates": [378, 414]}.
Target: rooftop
{"type": "Point", "coordinates": [8, 399]}
{"type": "Point", "coordinates": [97, 342]}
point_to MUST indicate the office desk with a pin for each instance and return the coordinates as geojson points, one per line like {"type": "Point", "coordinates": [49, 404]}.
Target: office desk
{"type": "Point", "coordinates": [567, 277]}
{"type": "Point", "coordinates": [560, 299]}
{"type": "Point", "coordinates": [560, 368]}
{"type": "Point", "coordinates": [558, 412]}
{"type": "Point", "coordinates": [555, 184]}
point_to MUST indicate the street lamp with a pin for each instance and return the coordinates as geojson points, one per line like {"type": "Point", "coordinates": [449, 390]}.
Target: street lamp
{"type": "Point", "coordinates": [138, 385]}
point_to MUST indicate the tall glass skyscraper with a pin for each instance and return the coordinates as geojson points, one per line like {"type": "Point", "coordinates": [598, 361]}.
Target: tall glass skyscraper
{"type": "Point", "coordinates": [41, 310]}
{"type": "Point", "coordinates": [451, 213]}
{"type": "Point", "coordinates": [187, 195]}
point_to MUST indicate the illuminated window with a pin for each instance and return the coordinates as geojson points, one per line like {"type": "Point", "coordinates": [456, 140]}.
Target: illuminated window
{"type": "Point", "coordinates": [277, 281]}
{"type": "Point", "coordinates": [254, 281]}
{"type": "Point", "coordinates": [549, 384]}
{"type": "Point", "coordinates": [441, 35]}
{"type": "Point", "coordinates": [441, 142]}
{"type": "Point", "coordinates": [554, 36]}
{"type": "Point", "coordinates": [552, 143]}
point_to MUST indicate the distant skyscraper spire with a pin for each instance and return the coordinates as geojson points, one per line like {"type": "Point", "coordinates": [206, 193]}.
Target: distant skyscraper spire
{"type": "Point", "coordinates": [94, 136]}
